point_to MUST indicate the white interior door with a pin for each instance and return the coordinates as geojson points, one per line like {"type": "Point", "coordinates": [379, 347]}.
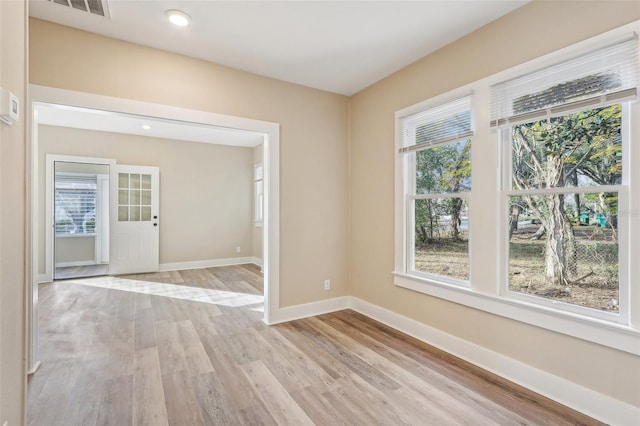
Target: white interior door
{"type": "Point", "coordinates": [134, 219]}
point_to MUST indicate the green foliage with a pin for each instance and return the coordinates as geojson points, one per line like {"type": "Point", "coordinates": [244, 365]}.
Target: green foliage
{"type": "Point", "coordinates": [441, 169]}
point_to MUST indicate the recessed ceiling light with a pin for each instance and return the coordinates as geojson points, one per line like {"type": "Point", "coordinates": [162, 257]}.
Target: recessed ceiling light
{"type": "Point", "coordinates": [178, 17]}
{"type": "Point", "coordinates": [146, 127]}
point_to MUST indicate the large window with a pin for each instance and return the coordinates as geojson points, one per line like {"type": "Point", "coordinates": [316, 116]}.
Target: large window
{"type": "Point", "coordinates": [437, 158]}
{"type": "Point", "coordinates": [75, 204]}
{"type": "Point", "coordinates": [550, 234]}
{"type": "Point", "coordinates": [565, 178]}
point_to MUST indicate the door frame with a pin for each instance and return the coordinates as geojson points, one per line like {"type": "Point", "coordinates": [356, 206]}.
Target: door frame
{"type": "Point", "coordinates": [50, 252]}
{"type": "Point", "coordinates": [271, 160]}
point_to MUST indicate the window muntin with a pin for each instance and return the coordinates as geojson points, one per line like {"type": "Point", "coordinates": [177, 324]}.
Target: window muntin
{"type": "Point", "coordinates": [75, 205]}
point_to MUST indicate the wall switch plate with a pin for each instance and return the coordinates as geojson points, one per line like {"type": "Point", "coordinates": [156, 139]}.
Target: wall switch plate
{"type": "Point", "coordinates": [327, 284]}
{"type": "Point", "coordinates": [238, 249]}
{"type": "Point", "coordinates": [9, 107]}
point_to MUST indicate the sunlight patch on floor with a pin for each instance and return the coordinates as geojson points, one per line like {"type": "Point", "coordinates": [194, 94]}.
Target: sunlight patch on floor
{"type": "Point", "coordinates": [183, 292]}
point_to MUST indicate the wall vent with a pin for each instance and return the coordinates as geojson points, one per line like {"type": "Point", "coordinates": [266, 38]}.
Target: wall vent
{"type": "Point", "coordinates": [95, 7]}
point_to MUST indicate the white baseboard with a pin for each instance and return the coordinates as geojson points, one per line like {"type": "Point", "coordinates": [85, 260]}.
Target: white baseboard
{"type": "Point", "coordinates": [210, 263]}
{"type": "Point", "coordinates": [256, 261]}
{"type": "Point", "coordinates": [76, 263]}
{"type": "Point", "coordinates": [306, 310]}
{"type": "Point", "coordinates": [44, 278]}
{"type": "Point", "coordinates": [587, 401]}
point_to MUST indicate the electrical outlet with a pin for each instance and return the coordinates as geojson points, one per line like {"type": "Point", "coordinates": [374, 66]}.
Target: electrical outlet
{"type": "Point", "coordinates": [238, 249]}
{"type": "Point", "coordinates": [327, 284]}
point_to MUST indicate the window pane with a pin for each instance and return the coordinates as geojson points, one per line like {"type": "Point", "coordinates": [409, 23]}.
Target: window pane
{"type": "Point", "coordinates": [75, 205]}
{"type": "Point", "coordinates": [444, 168]}
{"type": "Point", "coordinates": [442, 237]}
{"type": "Point", "coordinates": [565, 247]}
{"type": "Point", "coordinates": [576, 150]}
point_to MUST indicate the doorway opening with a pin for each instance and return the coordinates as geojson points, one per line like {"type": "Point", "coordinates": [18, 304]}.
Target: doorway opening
{"type": "Point", "coordinates": [162, 118]}
{"type": "Point", "coordinates": [80, 219]}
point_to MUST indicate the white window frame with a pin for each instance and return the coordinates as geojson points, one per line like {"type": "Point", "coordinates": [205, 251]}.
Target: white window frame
{"type": "Point", "coordinates": [622, 316]}
{"type": "Point", "coordinates": [258, 195]}
{"type": "Point", "coordinates": [487, 290]}
{"type": "Point", "coordinates": [409, 194]}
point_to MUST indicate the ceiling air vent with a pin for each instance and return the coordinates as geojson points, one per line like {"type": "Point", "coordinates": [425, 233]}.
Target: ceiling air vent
{"type": "Point", "coordinates": [96, 7]}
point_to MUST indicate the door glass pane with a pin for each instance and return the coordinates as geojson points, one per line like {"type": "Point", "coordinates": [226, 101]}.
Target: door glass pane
{"type": "Point", "coordinates": [123, 197]}
{"type": "Point", "coordinates": [135, 197]}
{"type": "Point", "coordinates": [134, 213]}
{"type": "Point", "coordinates": [123, 180]}
{"type": "Point", "coordinates": [145, 215]}
{"type": "Point", "coordinates": [146, 181]}
{"type": "Point", "coordinates": [145, 199]}
{"type": "Point", "coordinates": [123, 214]}
{"type": "Point", "coordinates": [135, 181]}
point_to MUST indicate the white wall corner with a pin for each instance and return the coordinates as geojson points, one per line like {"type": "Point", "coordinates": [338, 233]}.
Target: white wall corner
{"type": "Point", "coordinates": [582, 399]}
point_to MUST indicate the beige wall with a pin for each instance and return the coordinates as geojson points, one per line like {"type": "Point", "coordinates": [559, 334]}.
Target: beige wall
{"type": "Point", "coordinates": [13, 50]}
{"type": "Point", "coordinates": [535, 29]}
{"type": "Point", "coordinates": [313, 136]}
{"type": "Point", "coordinates": [206, 190]}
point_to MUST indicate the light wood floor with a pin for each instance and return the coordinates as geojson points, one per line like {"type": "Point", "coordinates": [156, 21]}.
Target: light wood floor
{"type": "Point", "coordinates": [189, 348]}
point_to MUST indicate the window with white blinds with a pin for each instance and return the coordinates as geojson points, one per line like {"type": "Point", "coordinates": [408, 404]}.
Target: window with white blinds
{"type": "Point", "coordinates": [434, 126]}
{"type": "Point", "coordinates": [600, 78]}
{"type": "Point", "coordinates": [75, 204]}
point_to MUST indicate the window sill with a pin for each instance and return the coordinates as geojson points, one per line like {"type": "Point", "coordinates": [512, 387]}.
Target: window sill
{"type": "Point", "coordinates": [613, 335]}
{"type": "Point", "coordinates": [74, 235]}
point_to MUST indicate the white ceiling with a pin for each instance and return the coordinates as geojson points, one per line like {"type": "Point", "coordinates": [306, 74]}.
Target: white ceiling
{"type": "Point", "coordinates": [338, 46]}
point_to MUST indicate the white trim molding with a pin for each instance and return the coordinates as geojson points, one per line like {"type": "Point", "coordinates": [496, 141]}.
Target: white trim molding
{"type": "Point", "coordinates": [210, 263]}
{"type": "Point", "coordinates": [312, 309]}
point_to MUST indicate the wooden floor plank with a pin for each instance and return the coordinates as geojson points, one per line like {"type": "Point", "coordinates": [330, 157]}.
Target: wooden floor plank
{"type": "Point", "coordinates": [199, 354]}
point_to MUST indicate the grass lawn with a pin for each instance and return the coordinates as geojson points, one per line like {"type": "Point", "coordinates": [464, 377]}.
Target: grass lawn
{"type": "Point", "coordinates": [594, 286]}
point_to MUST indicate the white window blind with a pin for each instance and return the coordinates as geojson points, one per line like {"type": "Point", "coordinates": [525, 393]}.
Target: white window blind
{"type": "Point", "coordinates": [444, 123]}
{"type": "Point", "coordinates": [75, 204]}
{"type": "Point", "coordinates": [602, 77]}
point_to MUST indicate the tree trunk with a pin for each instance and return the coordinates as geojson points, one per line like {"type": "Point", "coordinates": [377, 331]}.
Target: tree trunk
{"type": "Point", "coordinates": [456, 208]}
{"type": "Point", "coordinates": [571, 248]}
{"type": "Point", "coordinates": [555, 253]}
{"type": "Point", "coordinates": [513, 220]}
